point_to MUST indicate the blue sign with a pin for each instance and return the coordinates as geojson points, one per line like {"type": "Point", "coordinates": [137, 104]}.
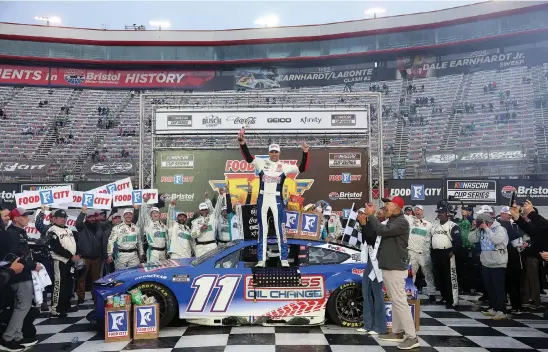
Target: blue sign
{"type": "Point", "coordinates": [346, 213]}
{"type": "Point", "coordinates": [388, 312]}
{"type": "Point", "coordinates": [117, 323]}
{"type": "Point", "coordinates": [111, 188]}
{"type": "Point", "coordinates": [146, 319]}
{"type": "Point", "coordinates": [346, 177]}
{"type": "Point", "coordinates": [137, 197]}
{"type": "Point", "coordinates": [88, 200]}
{"type": "Point", "coordinates": [178, 179]}
{"type": "Point", "coordinates": [417, 192]}
{"type": "Point", "coordinates": [309, 224]}
{"type": "Point", "coordinates": [292, 222]}
{"type": "Point", "coordinates": [46, 197]}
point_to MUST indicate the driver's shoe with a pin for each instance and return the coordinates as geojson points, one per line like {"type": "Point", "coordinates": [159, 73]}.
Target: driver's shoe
{"type": "Point", "coordinates": [260, 264]}
{"type": "Point", "coordinates": [285, 263]}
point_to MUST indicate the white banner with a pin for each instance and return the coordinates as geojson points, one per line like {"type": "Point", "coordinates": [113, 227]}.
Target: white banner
{"type": "Point", "coordinates": [50, 197]}
{"type": "Point", "coordinates": [296, 120]}
{"type": "Point", "coordinates": [135, 197]}
{"type": "Point", "coordinates": [97, 200]}
{"type": "Point", "coordinates": [111, 188]}
{"type": "Point", "coordinates": [76, 200]}
{"type": "Point", "coordinates": [33, 232]}
{"type": "Point", "coordinates": [472, 191]}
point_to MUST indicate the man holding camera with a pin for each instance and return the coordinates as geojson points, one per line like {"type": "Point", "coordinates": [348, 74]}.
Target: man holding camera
{"type": "Point", "coordinates": [15, 245]}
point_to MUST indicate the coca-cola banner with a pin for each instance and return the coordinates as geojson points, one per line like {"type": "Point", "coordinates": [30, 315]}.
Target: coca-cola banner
{"type": "Point", "coordinates": [534, 190]}
{"type": "Point", "coordinates": [56, 76]}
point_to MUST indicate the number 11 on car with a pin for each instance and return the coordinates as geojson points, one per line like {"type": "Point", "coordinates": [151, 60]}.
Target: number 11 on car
{"type": "Point", "coordinates": [204, 285]}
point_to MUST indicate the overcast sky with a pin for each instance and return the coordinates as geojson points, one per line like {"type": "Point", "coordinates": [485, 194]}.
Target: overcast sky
{"type": "Point", "coordinates": [205, 14]}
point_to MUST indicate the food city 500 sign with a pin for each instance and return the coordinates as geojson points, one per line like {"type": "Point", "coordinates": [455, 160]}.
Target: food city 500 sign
{"type": "Point", "coordinates": [228, 121]}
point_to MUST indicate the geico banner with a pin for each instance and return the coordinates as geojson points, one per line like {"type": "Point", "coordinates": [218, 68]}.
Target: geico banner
{"type": "Point", "coordinates": [419, 191]}
{"type": "Point", "coordinates": [50, 197]}
{"type": "Point", "coordinates": [472, 191]}
{"type": "Point", "coordinates": [112, 188]}
{"type": "Point", "coordinates": [96, 200]}
{"type": "Point", "coordinates": [276, 120]}
{"type": "Point", "coordinates": [185, 176]}
{"type": "Point", "coordinates": [534, 190]}
{"type": "Point", "coordinates": [135, 197]}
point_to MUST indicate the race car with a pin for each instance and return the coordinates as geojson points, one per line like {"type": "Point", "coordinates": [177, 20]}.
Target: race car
{"type": "Point", "coordinates": [219, 289]}
{"type": "Point", "coordinates": [255, 80]}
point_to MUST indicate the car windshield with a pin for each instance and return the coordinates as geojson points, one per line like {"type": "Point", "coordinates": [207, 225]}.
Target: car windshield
{"type": "Point", "coordinates": [214, 252]}
{"type": "Point", "coordinates": [259, 76]}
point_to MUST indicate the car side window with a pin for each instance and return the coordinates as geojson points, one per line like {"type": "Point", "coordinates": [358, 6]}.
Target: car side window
{"type": "Point", "coordinates": [324, 256]}
{"type": "Point", "coordinates": [228, 262]}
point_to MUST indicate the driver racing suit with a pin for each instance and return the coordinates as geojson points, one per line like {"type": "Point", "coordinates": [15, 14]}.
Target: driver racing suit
{"type": "Point", "coordinates": [272, 176]}
{"type": "Point", "coordinates": [179, 237]}
{"type": "Point", "coordinates": [156, 235]}
{"type": "Point", "coordinates": [333, 231]}
{"type": "Point", "coordinates": [419, 251]}
{"type": "Point", "coordinates": [205, 241]}
{"type": "Point", "coordinates": [130, 248]}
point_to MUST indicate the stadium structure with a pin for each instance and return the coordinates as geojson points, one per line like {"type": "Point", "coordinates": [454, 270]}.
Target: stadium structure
{"type": "Point", "coordinates": [464, 90]}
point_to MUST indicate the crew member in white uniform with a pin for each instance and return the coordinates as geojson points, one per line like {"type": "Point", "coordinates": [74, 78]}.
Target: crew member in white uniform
{"type": "Point", "coordinates": [155, 233]}
{"type": "Point", "coordinates": [445, 242]}
{"type": "Point", "coordinates": [204, 226]}
{"type": "Point", "coordinates": [63, 252]}
{"type": "Point", "coordinates": [126, 237]}
{"type": "Point", "coordinates": [419, 249]}
{"type": "Point", "coordinates": [272, 175]}
{"type": "Point", "coordinates": [331, 226]}
{"type": "Point", "coordinates": [180, 239]}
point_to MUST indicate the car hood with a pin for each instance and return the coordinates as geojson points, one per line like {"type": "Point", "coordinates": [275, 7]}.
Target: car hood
{"type": "Point", "coordinates": [146, 270]}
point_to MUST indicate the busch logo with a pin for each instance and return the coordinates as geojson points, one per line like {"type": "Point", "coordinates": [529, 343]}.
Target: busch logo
{"type": "Point", "coordinates": [211, 121]}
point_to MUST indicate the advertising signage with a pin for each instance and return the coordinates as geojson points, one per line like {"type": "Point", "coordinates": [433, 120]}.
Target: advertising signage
{"type": "Point", "coordinates": [534, 190]}
{"type": "Point", "coordinates": [419, 191]}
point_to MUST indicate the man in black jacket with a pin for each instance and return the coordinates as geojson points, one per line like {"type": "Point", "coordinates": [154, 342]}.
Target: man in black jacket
{"type": "Point", "coordinates": [89, 245]}
{"type": "Point", "coordinates": [16, 244]}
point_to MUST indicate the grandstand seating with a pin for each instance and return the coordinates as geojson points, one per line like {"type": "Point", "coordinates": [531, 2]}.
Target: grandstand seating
{"type": "Point", "coordinates": [441, 132]}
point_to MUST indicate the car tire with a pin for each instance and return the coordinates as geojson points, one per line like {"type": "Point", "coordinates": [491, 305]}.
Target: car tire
{"type": "Point", "coordinates": [165, 298]}
{"type": "Point", "coordinates": [345, 305]}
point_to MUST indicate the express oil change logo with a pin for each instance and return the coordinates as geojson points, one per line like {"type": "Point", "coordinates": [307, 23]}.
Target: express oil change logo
{"type": "Point", "coordinates": [312, 287]}
{"type": "Point", "coordinates": [240, 172]}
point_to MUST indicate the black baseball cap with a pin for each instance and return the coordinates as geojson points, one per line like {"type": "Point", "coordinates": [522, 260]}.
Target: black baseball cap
{"type": "Point", "coordinates": [60, 213]}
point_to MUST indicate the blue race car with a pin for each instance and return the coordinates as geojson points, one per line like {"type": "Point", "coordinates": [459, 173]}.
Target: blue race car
{"type": "Point", "coordinates": [218, 288]}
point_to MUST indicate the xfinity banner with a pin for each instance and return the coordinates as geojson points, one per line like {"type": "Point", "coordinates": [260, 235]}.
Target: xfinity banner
{"type": "Point", "coordinates": [24, 168]}
{"type": "Point", "coordinates": [472, 191]}
{"type": "Point", "coordinates": [303, 121]}
{"type": "Point", "coordinates": [420, 191]}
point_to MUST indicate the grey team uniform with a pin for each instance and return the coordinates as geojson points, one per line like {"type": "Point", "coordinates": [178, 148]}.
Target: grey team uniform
{"type": "Point", "coordinates": [130, 248]}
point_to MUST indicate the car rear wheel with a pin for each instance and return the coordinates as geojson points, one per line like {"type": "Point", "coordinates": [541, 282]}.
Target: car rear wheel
{"type": "Point", "coordinates": [345, 306]}
{"type": "Point", "coordinates": [165, 298]}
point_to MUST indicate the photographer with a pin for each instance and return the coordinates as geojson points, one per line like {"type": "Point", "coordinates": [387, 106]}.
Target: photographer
{"type": "Point", "coordinates": [15, 244]}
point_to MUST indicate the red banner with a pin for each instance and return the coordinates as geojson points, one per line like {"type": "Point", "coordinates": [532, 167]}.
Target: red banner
{"type": "Point", "coordinates": [27, 75]}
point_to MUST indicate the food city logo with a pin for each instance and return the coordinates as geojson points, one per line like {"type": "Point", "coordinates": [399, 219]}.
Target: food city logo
{"type": "Point", "coordinates": [345, 195]}
{"type": "Point", "coordinates": [177, 179]}
{"type": "Point", "coordinates": [416, 192]}
{"type": "Point", "coordinates": [146, 319]}
{"type": "Point", "coordinates": [312, 287]}
{"type": "Point", "coordinates": [240, 172]}
{"type": "Point", "coordinates": [244, 121]}
{"type": "Point", "coordinates": [523, 191]}
{"type": "Point", "coordinates": [345, 177]}
{"type": "Point", "coordinates": [117, 324]}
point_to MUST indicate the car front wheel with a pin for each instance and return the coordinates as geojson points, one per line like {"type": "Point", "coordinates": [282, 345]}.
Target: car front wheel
{"type": "Point", "coordinates": [345, 306]}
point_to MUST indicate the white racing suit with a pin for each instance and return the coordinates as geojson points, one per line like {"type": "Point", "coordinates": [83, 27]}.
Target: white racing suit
{"type": "Point", "coordinates": [419, 251]}
{"type": "Point", "coordinates": [333, 231]}
{"type": "Point", "coordinates": [272, 176]}
{"type": "Point", "coordinates": [223, 231]}
{"type": "Point", "coordinates": [156, 236]}
{"type": "Point", "coordinates": [127, 239]}
{"type": "Point", "coordinates": [180, 238]}
{"type": "Point", "coordinates": [205, 241]}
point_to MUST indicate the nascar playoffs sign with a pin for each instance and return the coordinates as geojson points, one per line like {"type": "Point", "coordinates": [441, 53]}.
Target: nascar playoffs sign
{"type": "Point", "coordinates": [472, 191]}
{"type": "Point", "coordinates": [279, 120]}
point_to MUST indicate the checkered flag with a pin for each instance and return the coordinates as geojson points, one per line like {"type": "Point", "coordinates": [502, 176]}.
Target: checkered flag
{"type": "Point", "coordinates": [352, 236]}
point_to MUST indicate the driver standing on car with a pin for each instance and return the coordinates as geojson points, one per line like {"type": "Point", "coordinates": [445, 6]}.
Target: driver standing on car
{"type": "Point", "coordinates": [126, 237]}
{"type": "Point", "coordinates": [272, 175]}
{"type": "Point", "coordinates": [180, 239]}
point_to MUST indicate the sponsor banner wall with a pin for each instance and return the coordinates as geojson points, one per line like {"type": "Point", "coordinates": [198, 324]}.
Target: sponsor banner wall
{"type": "Point", "coordinates": [227, 121]}
{"type": "Point", "coordinates": [7, 194]}
{"type": "Point", "coordinates": [534, 190]}
{"type": "Point", "coordinates": [419, 191]}
{"type": "Point", "coordinates": [465, 157]}
{"type": "Point", "coordinates": [187, 174]}
{"type": "Point", "coordinates": [475, 191]}
{"type": "Point", "coordinates": [43, 186]}
{"type": "Point", "coordinates": [24, 167]}
{"type": "Point", "coordinates": [118, 168]}
{"type": "Point", "coordinates": [28, 75]}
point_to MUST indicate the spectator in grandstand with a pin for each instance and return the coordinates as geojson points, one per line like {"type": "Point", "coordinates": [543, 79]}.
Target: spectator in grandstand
{"type": "Point", "coordinates": [422, 88]}
{"type": "Point", "coordinates": [485, 89]}
{"type": "Point", "coordinates": [3, 114]}
{"type": "Point", "coordinates": [490, 107]}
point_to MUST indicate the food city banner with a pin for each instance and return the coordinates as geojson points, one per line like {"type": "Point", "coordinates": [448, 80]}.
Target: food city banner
{"type": "Point", "coordinates": [306, 121]}
{"type": "Point", "coordinates": [419, 191]}
{"type": "Point", "coordinates": [117, 186]}
{"type": "Point", "coordinates": [54, 197]}
{"type": "Point", "coordinates": [33, 232]}
{"type": "Point", "coordinates": [96, 78]}
{"type": "Point", "coordinates": [135, 197]}
{"type": "Point", "coordinates": [335, 175]}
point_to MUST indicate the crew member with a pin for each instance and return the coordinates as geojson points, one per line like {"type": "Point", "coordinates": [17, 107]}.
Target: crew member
{"type": "Point", "coordinates": [272, 174]}
{"type": "Point", "coordinates": [127, 239]}
{"type": "Point", "coordinates": [180, 238]}
{"type": "Point", "coordinates": [155, 233]}
{"type": "Point", "coordinates": [445, 242]}
{"type": "Point", "coordinates": [465, 255]}
{"type": "Point", "coordinates": [232, 211]}
{"type": "Point", "coordinates": [63, 251]}
{"type": "Point", "coordinates": [203, 227]}
{"type": "Point", "coordinates": [419, 249]}
{"type": "Point", "coordinates": [331, 226]}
